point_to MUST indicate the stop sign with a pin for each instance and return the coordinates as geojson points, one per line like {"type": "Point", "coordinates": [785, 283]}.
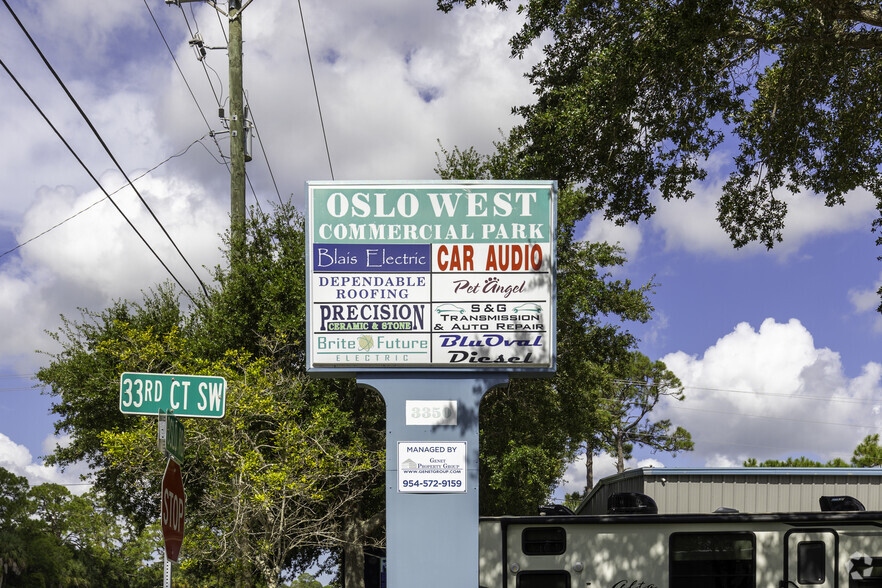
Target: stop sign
{"type": "Point", "coordinates": [172, 510]}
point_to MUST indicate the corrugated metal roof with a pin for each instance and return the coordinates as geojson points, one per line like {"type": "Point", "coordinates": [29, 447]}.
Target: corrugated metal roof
{"type": "Point", "coordinates": [755, 490]}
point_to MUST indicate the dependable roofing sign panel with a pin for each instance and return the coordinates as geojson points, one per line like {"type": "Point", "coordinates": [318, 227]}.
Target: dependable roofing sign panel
{"type": "Point", "coordinates": [431, 276]}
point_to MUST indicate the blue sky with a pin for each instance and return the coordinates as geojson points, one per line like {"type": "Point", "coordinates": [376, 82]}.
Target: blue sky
{"type": "Point", "coordinates": [779, 351]}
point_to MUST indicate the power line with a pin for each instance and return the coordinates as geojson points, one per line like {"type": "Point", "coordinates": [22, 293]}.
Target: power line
{"type": "Point", "coordinates": [315, 87]}
{"type": "Point", "coordinates": [218, 100]}
{"type": "Point", "coordinates": [754, 393]}
{"type": "Point", "coordinates": [91, 175]}
{"type": "Point", "coordinates": [771, 418]}
{"type": "Point", "coordinates": [783, 395]}
{"type": "Point", "coordinates": [202, 61]}
{"type": "Point", "coordinates": [76, 214]}
{"type": "Point", "coordinates": [103, 144]}
{"type": "Point", "coordinates": [265, 157]}
{"type": "Point", "coordinates": [186, 83]}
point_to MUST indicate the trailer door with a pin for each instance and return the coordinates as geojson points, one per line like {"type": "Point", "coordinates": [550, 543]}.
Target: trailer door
{"type": "Point", "coordinates": [810, 560]}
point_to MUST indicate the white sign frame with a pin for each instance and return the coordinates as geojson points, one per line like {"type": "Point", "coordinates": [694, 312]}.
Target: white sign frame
{"type": "Point", "coordinates": [437, 467]}
{"type": "Point", "coordinates": [455, 276]}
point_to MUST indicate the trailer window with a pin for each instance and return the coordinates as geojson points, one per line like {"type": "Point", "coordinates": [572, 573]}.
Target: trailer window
{"type": "Point", "coordinates": [544, 541]}
{"type": "Point", "coordinates": [811, 561]}
{"type": "Point", "coordinates": [555, 579]}
{"type": "Point", "coordinates": [865, 572]}
{"type": "Point", "coordinates": [713, 560]}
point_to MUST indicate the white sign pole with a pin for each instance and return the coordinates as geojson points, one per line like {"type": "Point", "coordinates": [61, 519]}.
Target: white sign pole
{"type": "Point", "coordinates": [166, 571]}
{"type": "Point", "coordinates": [431, 294]}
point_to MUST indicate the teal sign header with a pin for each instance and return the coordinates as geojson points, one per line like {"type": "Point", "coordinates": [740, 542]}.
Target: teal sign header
{"type": "Point", "coordinates": [495, 213]}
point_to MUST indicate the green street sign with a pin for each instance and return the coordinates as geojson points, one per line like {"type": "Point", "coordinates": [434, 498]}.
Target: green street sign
{"type": "Point", "coordinates": [171, 436]}
{"type": "Point", "coordinates": [190, 396]}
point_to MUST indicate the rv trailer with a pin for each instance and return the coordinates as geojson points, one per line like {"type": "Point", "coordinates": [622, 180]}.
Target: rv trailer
{"type": "Point", "coordinates": [833, 548]}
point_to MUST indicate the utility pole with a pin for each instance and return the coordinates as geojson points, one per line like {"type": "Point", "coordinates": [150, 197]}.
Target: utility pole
{"type": "Point", "coordinates": [237, 134]}
{"type": "Point", "coordinates": [237, 126]}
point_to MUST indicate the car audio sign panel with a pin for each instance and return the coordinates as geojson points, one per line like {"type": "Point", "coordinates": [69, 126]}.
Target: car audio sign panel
{"type": "Point", "coordinates": [431, 276]}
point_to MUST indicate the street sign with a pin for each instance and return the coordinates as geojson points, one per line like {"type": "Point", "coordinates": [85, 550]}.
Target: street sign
{"type": "Point", "coordinates": [440, 276]}
{"type": "Point", "coordinates": [171, 435]}
{"type": "Point", "coordinates": [173, 502]}
{"type": "Point", "coordinates": [190, 396]}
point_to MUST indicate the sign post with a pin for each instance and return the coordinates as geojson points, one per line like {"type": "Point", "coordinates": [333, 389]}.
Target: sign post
{"type": "Point", "coordinates": [431, 294]}
{"type": "Point", "coordinates": [171, 436]}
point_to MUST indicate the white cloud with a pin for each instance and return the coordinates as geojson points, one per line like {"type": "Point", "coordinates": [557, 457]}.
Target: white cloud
{"type": "Point", "coordinates": [18, 460]}
{"type": "Point", "coordinates": [767, 393]}
{"type": "Point", "coordinates": [99, 251]}
{"type": "Point", "coordinates": [628, 237]}
{"type": "Point", "coordinates": [692, 225]}
{"type": "Point", "coordinates": [866, 301]}
{"type": "Point", "coordinates": [770, 393]}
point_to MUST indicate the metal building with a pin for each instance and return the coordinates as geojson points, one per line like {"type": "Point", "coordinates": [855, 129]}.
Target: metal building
{"type": "Point", "coordinates": [748, 490]}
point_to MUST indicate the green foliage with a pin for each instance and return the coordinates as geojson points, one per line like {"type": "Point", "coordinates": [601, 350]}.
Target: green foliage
{"type": "Point", "coordinates": [868, 453]}
{"type": "Point", "coordinates": [531, 429]}
{"type": "Point", "coordinates": [305, 581]}
{"type": "Point", "coordinates": [635, 98]}
{"type": "Point", "coordinates": [84, 381]}
{"type": "Point", "coordinates": [632, 389]}
{"type": "Point", "coordinates": [573, 500]}
{"type": "Point", "coordinates": [798, 462]}
{"type": "Point", "coordinates": [49, 537]}
{"type": "Point", "coordinates": [269, 485]}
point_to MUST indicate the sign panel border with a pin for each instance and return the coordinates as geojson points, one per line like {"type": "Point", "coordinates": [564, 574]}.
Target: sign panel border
{"type": "Point", "coordinates": [179, 412]}
{"type": "Point", "coordinates": [367, 333]}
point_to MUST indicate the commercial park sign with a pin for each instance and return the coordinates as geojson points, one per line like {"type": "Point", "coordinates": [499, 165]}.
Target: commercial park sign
{"type": "Point", "coordinates": [431, 276]}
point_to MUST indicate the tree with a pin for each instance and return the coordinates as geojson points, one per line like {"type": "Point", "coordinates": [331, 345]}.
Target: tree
{"type": "Point", "coordinates": [267, 483]}
{"type": "Point", "coordinates": [532, 428]}
{"type": "Point", "coordinates": [798, 462]}
{"type": "Point", "coordinates": [83, 379]}
{"type": "Point", "coordinates": [14, 510]}
{"type": "Point", "coordinates": [868, 453]}
{"type": "Point", "coordinates": [306, 581]}
{"type": "Point", "coordinates": [635, 388]}
{"type": "Point", "coordinates": [634, 97]}
{"type": "Point", "coordinates": [49, 537]}
{"type": "Point", "coordinates": [298, 458]}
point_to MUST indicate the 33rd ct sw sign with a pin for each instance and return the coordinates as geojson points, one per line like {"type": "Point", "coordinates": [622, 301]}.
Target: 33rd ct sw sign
{"type": "Point", "coordinates": [442, 275]}
{"type": "Point", "coordinates": [186, 396]}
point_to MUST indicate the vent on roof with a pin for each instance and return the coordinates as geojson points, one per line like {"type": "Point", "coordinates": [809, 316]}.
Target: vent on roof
{"type": "Point", "coordinates": [840, 503]}
{"type": "Point", "coordinates": [631, 503]}
{"type": "Point", "coordinates": [554, 509]}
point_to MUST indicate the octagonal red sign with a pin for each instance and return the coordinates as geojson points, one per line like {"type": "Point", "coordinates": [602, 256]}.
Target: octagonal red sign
{"type": "Point", "coordinates": [173, 501]}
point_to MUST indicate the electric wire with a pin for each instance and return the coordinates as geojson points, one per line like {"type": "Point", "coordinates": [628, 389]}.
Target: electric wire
{"type": "Point", "coordinates": [91, 175]}
{"type": "Point", "coordinates": [103, 144]}
{"type": "Point", "coordinates": [135, 179]}
{"type": "Point", "coordinates": [771, 418]}
{"type": "Point", "coordinates": [202, 61]}
{"type": "Point", "coordinates": [205, 68]}
{"type": "Point", "coordinates": [755, 393]}
{"type": "Point", "coordinates": [315, 87]}
{"type": "Point", "coordinates": [186, 83]}
{"type": "Point", "coordinates": [263, 150]}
